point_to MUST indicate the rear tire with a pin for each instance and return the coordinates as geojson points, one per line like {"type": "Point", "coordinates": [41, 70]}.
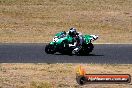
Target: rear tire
{"type": "Point", "coordinates": [86, 49]}
{"type": "Point", "coordinates": [90, 47]}
{"type": "Point", "coordinates": [49, 49]}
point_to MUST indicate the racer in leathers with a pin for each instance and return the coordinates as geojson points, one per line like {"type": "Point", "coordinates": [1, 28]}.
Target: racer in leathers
{"type": "Point", "coordinates": [77, 38]}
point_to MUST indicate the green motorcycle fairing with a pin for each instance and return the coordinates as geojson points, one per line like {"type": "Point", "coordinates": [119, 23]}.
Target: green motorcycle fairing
{"type": "Point", "coordinates": [59, 34]}
{"type": "Point", "coordinates": [62, 36]}
{"type": "Point", "coordinates": [66, 38]}
{"type": "Point", "coordinates": [87, 39]}
{"type": "Point", "coordinates": [52, 43]}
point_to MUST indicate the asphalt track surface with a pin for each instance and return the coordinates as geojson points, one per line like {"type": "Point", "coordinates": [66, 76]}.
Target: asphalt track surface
{"type": "Point", "coordinates": [34, 53]}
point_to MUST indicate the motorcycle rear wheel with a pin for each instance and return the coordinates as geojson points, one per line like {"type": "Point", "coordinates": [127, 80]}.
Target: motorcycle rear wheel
{"type": "Point", "coordinates": [86, 49]}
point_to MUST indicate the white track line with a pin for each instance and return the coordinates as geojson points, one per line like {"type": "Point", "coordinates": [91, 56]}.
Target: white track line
{"type": "Point", "coordinates": [113, 43]}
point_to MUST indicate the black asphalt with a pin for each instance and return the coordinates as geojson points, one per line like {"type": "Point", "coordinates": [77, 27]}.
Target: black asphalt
{"type": "Point", "coordinates": [34, 53]}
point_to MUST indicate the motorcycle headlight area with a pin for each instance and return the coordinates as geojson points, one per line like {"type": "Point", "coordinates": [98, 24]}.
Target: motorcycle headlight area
{"type": "Point", "coordinates": [55, 39]}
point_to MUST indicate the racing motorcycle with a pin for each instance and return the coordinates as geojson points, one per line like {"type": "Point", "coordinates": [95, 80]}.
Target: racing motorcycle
{"type": "Point", "coordinates": [64, 44]}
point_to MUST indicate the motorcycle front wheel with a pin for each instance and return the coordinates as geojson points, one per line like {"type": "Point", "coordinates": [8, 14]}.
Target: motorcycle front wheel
{"type": "Point", "coordinates": [49, 49]}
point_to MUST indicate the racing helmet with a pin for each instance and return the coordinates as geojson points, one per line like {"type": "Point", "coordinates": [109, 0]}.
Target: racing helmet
{"type": "Point", "coordinates": [72, 32]}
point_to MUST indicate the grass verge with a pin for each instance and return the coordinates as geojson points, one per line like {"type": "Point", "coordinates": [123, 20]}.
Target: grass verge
{"type": "Point", "coordinates": [36, 21]}
{"type": "Point", "coordinates": [56, 75]}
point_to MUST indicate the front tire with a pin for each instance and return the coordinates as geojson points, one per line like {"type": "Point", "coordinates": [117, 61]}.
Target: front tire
{"type": "Point", "coordinates": [49, 49]}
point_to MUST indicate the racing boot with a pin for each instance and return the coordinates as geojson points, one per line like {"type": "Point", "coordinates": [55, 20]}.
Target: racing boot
{"type": "Point", "coordinates": [76, 50]}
